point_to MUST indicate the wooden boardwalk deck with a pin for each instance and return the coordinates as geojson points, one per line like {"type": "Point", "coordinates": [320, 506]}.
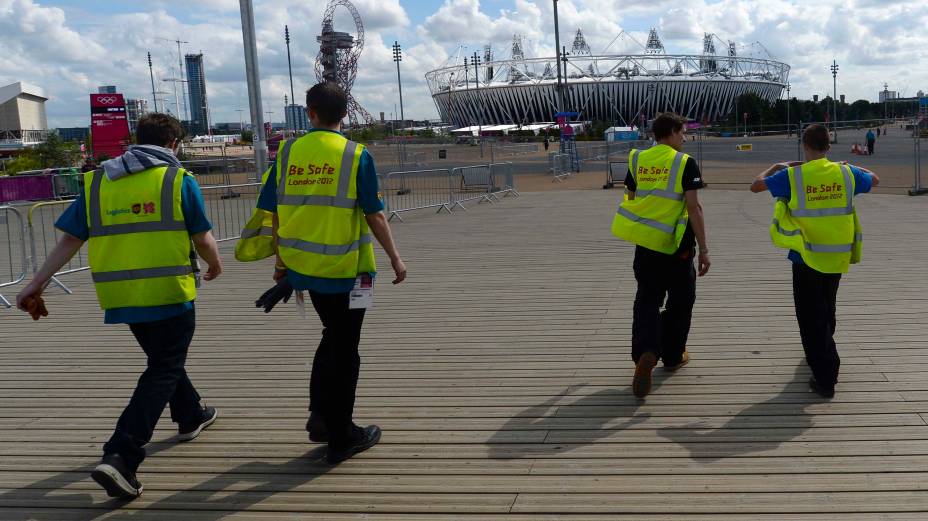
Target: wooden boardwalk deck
{"type": "Point", "coordinates": [500, 373]}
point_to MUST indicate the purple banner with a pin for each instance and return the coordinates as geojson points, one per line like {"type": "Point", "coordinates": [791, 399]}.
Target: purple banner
{"type": "Point", "coordinates": [26, 188]}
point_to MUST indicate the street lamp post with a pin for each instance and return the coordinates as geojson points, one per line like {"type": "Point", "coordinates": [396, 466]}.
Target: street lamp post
{"type": "Point", "coordinates": [398, 57]}
{"type": "Point", "coordinates": [557, 46]}
{"type": "Point", "coordinates": [789, 131]}
{"type": "Point", "coordinates": [151, 72]}
{"type": "Point", "coordinates": [290, 70]}
{"type": "Point", "coordinates": [252, 74]}
{"type": "Point", "coordinates": [834, 99]}
{"type": "Point", "coordinates": [476, 62]}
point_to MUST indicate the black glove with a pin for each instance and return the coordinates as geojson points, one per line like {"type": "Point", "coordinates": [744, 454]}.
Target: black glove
{"type": "Point", "coordinates": [281, 291]}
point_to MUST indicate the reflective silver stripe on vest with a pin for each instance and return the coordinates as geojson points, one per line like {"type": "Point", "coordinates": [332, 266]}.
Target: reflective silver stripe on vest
{"type": "Point", "coordinates": [829, 248]}
{"type": "Point", "coordinates": [675, 172]}
{"type": "Point", "coordinates": [317, 200]}
{"type": "Point", "coordinates": [142, 273]}
{"type": "Point", "coordinates": [657, 225]}
{"type": "Point", "coordinates": [248, 233]}
{"type": "Point", "coordinates": [344, 177]}
{"type": "Point", "coordinates": [166, 224]}
{"type": "Point", "coordinates": [635, 165]}
{"type": "Point", "coordinates": [818, 248]}
{"type": "Point", "coordinates": [660, 193]}
{"type": "Point", "coordinates": [324, 249]}
{"type": "Point", "coordinates": [282, 161]}
{"type": "Point", "coordinates": [802, 211]}
{"type": "Point", "coordinates": [784, 231]}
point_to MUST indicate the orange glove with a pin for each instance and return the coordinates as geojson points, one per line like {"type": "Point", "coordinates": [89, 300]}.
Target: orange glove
{"type": "Point", "coordinates": [35, 306]}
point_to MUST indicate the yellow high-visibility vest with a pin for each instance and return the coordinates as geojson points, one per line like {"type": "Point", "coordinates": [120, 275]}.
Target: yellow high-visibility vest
{"type": "Point", "coordinates": [819, 220]}
{"type": "Point", "coordinates": [656, 218]}
{"type": "Point", "coordinates": [139, 249]}
{"type": "Point", "coordinates": [257, 238]}
{"type": "Point", "coordinates": [322, 230]}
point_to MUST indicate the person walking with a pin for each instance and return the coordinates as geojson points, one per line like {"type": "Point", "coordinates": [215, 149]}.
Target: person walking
{"type": "Point", "coordinates": [871, 141]}
{"type": "Point", "coordinates": [662, 216]}
{"type": "Point", "coordinates": [815, 219]}
{"type": "Point", "coordinates": [139, 213]}
{"type": "Point", "coordinates": [547, 143]}
{"type": "Point", "coordinates": [323, 195]}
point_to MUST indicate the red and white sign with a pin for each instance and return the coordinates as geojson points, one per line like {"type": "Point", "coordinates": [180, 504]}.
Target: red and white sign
{"type": "Point", "coordinates": [109, 125]}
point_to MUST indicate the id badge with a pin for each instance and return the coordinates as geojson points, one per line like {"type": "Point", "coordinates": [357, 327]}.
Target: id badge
{"type": "Point", "coordinates": [362, 295]}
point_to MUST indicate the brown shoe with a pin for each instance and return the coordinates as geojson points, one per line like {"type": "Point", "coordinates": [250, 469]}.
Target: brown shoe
{"type": "Point", "coordinates": [683, 361]}
{"type": "Point", "coordinates": [641, 384]}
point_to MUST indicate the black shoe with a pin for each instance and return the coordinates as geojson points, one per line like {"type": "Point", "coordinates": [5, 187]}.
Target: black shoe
{"type": "Point", "coordinates": [824, 392]}
{"type": "Point", "coordinates": [113, 475]}
{"type": "Point", "coordinates": [318, 433]}
{"type": "Point", "coordinates": [190, 432]}
{"type": "Point", "coordinates": [366, 438]}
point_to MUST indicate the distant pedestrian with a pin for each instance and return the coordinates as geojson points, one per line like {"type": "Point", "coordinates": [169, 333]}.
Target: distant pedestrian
{"type": "Point", "coordinates": [814, 218]}
{"type": "Point", "coordinates": [878, 132]}
{"type": "Point", "coordinates": [547, 144]}
{"type": "Point", "coordinates": [871, 141]}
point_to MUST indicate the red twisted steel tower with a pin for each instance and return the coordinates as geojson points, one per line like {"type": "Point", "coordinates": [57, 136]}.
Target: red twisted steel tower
{"type": "Point", "coordinates": [337, 60]}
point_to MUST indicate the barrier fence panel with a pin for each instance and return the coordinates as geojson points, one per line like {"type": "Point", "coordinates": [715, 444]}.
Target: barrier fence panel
{"type": "Point", "coordinates": [43, 236]}
{"type": "Point", "coordinates": [26, 188]}
{"type": "Point", "coordinates": [503, 179]}
{"type": "Point", "coordinates": [559, 165]}
{"type": "Point", "coordinates": [416, 190]}
{"type": "Point", "coordinates": [13, 258]}
{"type": "Point", "coordinates": [471, 183]}
{"type": "Point", "coordinates": [229, 207]}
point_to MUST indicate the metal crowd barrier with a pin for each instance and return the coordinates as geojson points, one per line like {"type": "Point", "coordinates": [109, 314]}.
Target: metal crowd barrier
{"type": "Point", "coordinates": [43, 236]}
{"type": "Point", "coordinates": [229, 207]}
{"type": "Point", "coordinates": [14, 262]}
{"type": "Point", "coordinates": [416, 190]}
{"type": "Point", "coordinates": [559, 165]}
{"type": "Point", "coordinates": [616, 173]}
{"type": "Point", "coordinates": [445, 189]}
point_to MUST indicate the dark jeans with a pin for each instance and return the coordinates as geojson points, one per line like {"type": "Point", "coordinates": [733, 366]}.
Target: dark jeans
{"type": "Point", "coordinates": [661, 276]}
{"type": "Point", "coordinates": [336, 365]}
{"type": "Point", "coordinates": [165, 381]}
{"type": "Point", "coordinates": [870, 145]}
{"type": "Point", "coordinates": [815, 294]}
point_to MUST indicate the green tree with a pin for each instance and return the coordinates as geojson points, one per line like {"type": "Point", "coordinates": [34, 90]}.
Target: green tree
{"type": "Point", "coordinates": [22, 163]}
{"type": "Point", "coordinates": [247, 136]}
{"type": "Point", "coordinates": [54, 153]}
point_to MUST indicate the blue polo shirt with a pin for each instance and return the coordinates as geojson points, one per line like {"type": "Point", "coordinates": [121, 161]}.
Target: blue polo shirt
{"type": "Point", "coordinates": [368, 199]}
{"type": "Point", "coordinates": [74, 222]}
{"type": "Point", "coordinates": [778, 186]}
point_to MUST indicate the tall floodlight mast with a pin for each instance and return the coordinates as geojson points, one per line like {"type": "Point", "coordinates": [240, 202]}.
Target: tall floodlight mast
{"type": "Point", "coordinates": [337, 60]}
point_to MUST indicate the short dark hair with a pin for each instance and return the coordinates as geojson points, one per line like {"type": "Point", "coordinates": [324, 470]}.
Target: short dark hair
{"type": "Point", "coordinates": [158, 129]}
{"type": "Point", "coordinates": [665, 124]}
{"type": "Point", "coordinates": [816, 137]}
{"type": "Point", "coordinates": [328, 101]}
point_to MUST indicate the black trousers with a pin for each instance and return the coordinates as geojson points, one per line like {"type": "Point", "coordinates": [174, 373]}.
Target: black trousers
{"type": "Point", "coordinates": [870, 145]}
{"type": "Point", "coordinates": [661, 277]}
{"type": "Point", "coordinates": [336, 366]}
{"type": "Point", "coordinates": [815, 295]}
{"type": "Point", "coordinates": [164, 382]}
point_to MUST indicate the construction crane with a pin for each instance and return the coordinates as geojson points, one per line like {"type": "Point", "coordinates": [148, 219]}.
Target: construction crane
{"type": "Point", "coordinates": [180, 73]}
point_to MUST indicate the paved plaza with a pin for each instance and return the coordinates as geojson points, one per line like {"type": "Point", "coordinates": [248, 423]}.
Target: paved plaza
{"type": "Point", "coordinates": [500, 373]}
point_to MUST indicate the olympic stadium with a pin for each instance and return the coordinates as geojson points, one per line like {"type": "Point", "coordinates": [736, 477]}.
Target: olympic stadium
{"type": "Point", "coordinates": [618, 88]}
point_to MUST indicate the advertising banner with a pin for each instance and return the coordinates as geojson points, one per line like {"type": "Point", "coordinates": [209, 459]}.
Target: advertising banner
{"type": "Point", "coordinates": [109, 125]}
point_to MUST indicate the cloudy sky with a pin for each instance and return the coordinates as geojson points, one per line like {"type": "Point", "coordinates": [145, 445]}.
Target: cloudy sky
{"type": "Point", "coordinates": [69, 47]}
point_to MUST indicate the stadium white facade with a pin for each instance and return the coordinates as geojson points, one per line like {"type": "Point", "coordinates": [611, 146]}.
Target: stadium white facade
{"type": "Point", "coordinates": [616, 88]}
